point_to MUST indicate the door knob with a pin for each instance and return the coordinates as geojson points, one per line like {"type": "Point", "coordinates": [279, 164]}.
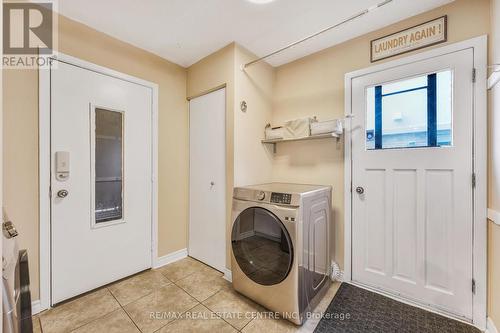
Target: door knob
{"type": "Point", "coordinates": [360, 190]}
{"type": "Point", "coordinates": [212, 183]}
{"type": "Point", "coordinates": [62, 193]}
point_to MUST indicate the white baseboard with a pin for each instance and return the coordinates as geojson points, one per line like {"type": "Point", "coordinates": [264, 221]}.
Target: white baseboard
{"type": "Point", "coordinates": [36, 307]}
{"type": "Point", "coordinates": [228, 275]}
{"type": "Point", "coordinates": [170, 258]}
{"type": "Point", "coordinates": [490, 326]}
{"type": "Point", "coordinates": [494, 216]}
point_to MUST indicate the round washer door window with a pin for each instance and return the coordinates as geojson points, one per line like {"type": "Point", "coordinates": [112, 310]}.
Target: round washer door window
{"type": "Point", "coordinates": [262, 246]}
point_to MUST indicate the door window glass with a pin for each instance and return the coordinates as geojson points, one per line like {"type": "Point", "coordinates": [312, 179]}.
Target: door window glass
{"type": "Point", "coordinates": [414, 112]}
{"type": "Point", "coordinates": [108, 165]}
{"type": "Point", "coordinates": [261, 246]}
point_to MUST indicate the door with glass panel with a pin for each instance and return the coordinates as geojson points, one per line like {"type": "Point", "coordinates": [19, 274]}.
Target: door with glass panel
{"type": "Point", "coordinates": [412, 192]}
{"type": "Point", "coordinates": [101, 179]}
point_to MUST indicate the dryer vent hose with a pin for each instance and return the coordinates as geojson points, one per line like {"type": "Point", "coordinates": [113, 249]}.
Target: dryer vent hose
{"type": "Point", "coordinates": [337, 274]}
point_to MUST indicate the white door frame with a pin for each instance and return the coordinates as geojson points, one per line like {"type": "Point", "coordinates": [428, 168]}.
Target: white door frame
{"type": "Point", "coordinates": [479, 47]}
{"type": "Point", "coordinates": [45, 165]}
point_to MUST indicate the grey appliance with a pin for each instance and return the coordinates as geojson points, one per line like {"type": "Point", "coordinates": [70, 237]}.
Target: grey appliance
{"type": "Point", "coordinates": [16, 296]}
{"type": "Point", "coordinates": [280, 246]}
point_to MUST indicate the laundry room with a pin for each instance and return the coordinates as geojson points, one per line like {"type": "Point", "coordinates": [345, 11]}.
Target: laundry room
{"type": "Point", "coordinates": [253, 166]}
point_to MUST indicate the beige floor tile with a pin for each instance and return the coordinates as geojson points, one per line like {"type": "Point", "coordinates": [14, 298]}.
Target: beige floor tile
{"type": "Point", "coordinates": [182, 268]}
{"type": "Point", "coordinates": [78, 312]}
{"type": "Point", "coordinates": [138, 286]}
{"type": "Point", "coordinates": [115, 322]}
{"type": "Point", "coordinates": [270, 325]}
{"type": "Point", "coordinates": [37, 328]}
{"type": "Point", "coordinates": [159, 308]}
{"type": "Point", "coordinates": [202, 285]}
{"type": "Point", "coordinates": [198, 319]}
{"type": "Point", "coordinates": [233, 307]}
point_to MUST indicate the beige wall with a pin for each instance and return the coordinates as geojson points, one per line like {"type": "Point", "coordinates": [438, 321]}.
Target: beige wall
{"type": "Point", "coordinates": [20, 160]}
{"type": "Point", "coordinates": [20, 104]}
{"type": "Point", "coordinates": [494, 197]}
{"type": "Point", "coordinates": [314, 85]}
{"type": "Point", "coordinates": [253, 161]}
{"type": "Point", "coordinates": [247, 160]}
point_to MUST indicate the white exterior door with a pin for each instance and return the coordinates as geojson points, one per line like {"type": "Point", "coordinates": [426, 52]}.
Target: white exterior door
{"type": "Point", "coordinates": [100, 179]}
{"type": "Point", "coordinates": [412, 189]}
{"type": "Point", "coordinates": [207, 179]}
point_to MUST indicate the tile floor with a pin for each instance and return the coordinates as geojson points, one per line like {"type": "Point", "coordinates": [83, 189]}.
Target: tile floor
{"type": "Point", "coordinates": [185, 296]}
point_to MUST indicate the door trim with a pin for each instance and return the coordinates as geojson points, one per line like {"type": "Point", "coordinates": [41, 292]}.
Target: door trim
{"type": "Point", "coordinates": [44, 172]}
{"type": "Point", "coordinates": [479, 47]}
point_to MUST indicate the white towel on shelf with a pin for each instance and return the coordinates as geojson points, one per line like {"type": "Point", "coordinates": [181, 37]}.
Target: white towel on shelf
{"type": "Point", "coordinates": [274, 133]}
{"type": "Point", "coordinates": [297, 128]}
{"type": "Point", "coordinates": [323, 127]}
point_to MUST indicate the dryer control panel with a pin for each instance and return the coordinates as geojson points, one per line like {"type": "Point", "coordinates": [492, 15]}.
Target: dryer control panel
{"type": "Point", "coordinates": [281, 198]}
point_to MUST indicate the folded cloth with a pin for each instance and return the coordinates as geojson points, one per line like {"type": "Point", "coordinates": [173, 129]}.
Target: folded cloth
{"type": "Point", "coordinates": [297, 128]}
{"type": "Point", "coordinates": [323, 127]}
{"type": "Point", "coordinates": [274, 133]}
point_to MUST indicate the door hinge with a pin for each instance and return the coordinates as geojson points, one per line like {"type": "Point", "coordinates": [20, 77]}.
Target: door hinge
{"type": "Point", "coordinates": [474, 180]}
{"type": "Point", "coordinates": [473, 286]}
{"type": "Point", "coordinates": [473, 75]}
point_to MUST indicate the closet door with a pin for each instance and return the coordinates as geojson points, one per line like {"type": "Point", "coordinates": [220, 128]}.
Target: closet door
{"type": "Point", "coordinates": [207, 179]}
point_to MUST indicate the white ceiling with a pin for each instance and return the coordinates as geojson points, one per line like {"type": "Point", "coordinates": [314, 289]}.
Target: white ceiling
{"type": "Point", "coordinates": [185, 31]}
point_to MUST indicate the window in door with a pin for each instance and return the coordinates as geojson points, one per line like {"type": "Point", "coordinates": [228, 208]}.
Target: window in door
{"type": "Point", "coordinates": [108, 165]}
{"type": "Point", "coordinates": [410, 113]}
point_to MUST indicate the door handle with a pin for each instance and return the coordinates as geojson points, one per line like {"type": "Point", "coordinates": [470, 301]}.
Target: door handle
{"type": "Point", "coordinates": [212, 183]}
{"type": "Point", "coordinates": [360, 190]}
{"type": "Point", "coordinates": [62, 193]}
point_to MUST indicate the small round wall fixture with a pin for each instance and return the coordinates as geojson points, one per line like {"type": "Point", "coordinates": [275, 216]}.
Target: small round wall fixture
{"type": "Point", "coordinates": [243, 106]}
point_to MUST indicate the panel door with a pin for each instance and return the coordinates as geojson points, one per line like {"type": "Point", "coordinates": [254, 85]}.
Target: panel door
{"type": "Point", "coordinates": [412, 193]}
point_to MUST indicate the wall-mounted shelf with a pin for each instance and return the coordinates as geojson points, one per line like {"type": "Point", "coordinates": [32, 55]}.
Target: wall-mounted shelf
{"type": "Point", "coordinates": [307, 138]}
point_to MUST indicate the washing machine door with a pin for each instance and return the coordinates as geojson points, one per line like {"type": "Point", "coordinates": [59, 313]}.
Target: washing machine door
{"type": "Point", "coordinates": [262, 246]}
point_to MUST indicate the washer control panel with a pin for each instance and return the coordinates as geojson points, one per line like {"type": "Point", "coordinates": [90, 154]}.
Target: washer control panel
{"type": "Point", "coordinates": [281, 198]}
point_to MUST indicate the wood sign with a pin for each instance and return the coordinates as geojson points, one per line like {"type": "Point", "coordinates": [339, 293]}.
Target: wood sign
{"type": "Point", "coordinates": [417, 37]}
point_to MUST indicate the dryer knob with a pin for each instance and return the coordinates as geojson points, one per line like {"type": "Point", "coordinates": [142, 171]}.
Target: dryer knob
{"type": "Point", "coordinates": [261, 195]}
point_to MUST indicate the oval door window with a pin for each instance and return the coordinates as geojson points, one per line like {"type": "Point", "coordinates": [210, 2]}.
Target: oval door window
{"type": "Point", "coordinates": [262, 246]}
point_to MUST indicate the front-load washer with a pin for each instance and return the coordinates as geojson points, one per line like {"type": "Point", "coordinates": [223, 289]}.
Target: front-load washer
{"type": "Point", "coordinates": [280, 246]}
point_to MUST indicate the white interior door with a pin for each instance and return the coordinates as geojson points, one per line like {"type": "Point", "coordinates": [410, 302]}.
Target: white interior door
{"type": "Point", "coordinates": [207, 179]}
{"type": "Point", "coordinates": [412, 189]}
{"type": "Point", "coordinates": [101, 179]}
